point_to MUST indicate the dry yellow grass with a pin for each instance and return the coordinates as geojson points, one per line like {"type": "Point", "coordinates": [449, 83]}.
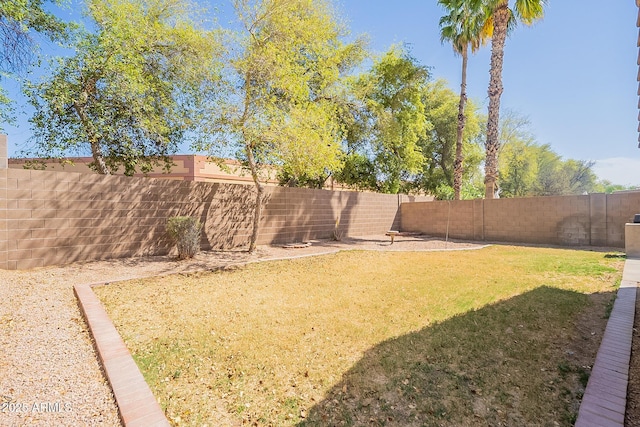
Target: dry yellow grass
{"type": "Point", "coordinates": [501, 335]}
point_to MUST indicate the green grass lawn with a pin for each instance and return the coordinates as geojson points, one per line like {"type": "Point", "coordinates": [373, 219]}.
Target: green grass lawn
{"type": "Point", "coordinates": [499, 336]}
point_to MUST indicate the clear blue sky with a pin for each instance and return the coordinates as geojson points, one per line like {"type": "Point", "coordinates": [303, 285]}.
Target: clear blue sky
{"type": "Point", "coordinates": [573, 74]}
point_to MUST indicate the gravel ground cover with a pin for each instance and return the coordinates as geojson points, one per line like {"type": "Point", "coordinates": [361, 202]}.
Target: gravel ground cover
{"type": "Point", "coordinates": [49, 372]}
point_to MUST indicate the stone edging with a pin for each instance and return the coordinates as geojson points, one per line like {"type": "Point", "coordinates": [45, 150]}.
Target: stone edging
{"type": "Point", "coordinates": [136, 403]}
{"type": "Point", "coordinates": [605, 398]}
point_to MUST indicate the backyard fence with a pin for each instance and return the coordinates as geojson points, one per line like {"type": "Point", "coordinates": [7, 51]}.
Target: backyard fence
{"type": "Point", "coordinates": [49, 218]}
{"type": "Point", "coordinates": [589, 220]}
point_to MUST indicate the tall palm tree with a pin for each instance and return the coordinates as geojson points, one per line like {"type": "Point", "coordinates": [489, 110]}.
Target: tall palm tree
{"type": "Point", "coordinates": [464, 28]}
{"type": "Point", "coordinates": [501, 19]}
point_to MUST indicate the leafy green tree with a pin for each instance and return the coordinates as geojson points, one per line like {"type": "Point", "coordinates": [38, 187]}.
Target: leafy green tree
{"type": "Point", "coordinates": [502, 18]}
{"type": "Point", "coordinates": [392, 92]}
{"type": "Point", "coordinates": [131, 92]}
{"type": "Point", "coordinates": [518, 169]}
{"type": "Point", "coordinates": [579, 175]}
{"type": "Point", "coordinates": [439, 143]}
{"type": "Point", "coordinates": [557, 177]}
{"type": "Point", "coordinates": [358, 169]}
{"type": "Point", "coordinates": [606, 186]}
{"type": "Point", "coordinates": [530, 169]}
{"type": "Point", "coordinates": [463, 26]}
{"type": "Point", "coordinates": [358, 172]}
{"type": "Point", "coordinates": [518, 155]}
{"type": "Point", "coordinates": [19, 19]}
{"type": "Point", "coordinates": [549, 180]}
{"type": "Point", "coordinates": [284, 85]}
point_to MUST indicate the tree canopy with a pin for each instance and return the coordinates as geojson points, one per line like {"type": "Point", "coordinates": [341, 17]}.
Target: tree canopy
{"type": "Point", "coordinates": [131, 92]}
{"type": "Point", "coordinates": [19, 19]}
{"type": "Point", "coordinates": [437, 176]}
{"type": "Point", "coordinates": [286, 88]}
{"type": "Point", "coordinates": [531, 169]}
{"type": "Point", "coordinates": [284, 83]}
{"type": "Point", "coordinates": [383, 145]}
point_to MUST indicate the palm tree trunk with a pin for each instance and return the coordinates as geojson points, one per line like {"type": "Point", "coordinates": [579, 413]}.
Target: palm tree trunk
{"type": "Point", "coordinates": [501, 17]}
{"type": "Point", "coordinates": [458, 168]}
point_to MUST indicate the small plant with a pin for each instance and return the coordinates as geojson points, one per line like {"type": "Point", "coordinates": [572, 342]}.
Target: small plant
{"type": "Point", "coordinates": [185, 234]}
{"type": "Point", "coordinates": [584, 376]}
{"type": "Point", "coordinates": [337, 234]}
{"type": "Point", "coordinates": [609, 307]}
{"type": "Point", "coordinates": [564, 368]}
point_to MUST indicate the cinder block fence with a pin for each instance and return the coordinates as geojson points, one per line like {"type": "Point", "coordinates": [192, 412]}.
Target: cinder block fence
{"type": "Point", "coordinates": [49, 218]}
{"type": "Point", "coordinates": [590, 220]}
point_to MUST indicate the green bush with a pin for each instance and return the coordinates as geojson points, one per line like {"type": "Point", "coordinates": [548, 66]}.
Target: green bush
{"type": "Point", "coordinates": [185, 234]}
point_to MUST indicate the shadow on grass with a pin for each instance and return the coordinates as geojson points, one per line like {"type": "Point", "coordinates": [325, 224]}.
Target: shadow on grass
{"type": "Point", "coordinates": [522, 361]}
{"type": "Point", "coordinates": [616, 256]}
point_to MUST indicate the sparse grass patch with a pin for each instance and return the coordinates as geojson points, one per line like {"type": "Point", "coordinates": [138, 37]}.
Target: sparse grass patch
{"type": "Point", "coordinates": [503, 335]}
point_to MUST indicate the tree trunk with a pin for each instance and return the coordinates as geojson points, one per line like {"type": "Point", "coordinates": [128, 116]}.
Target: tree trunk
{"type": "Point", "coordinates": [98, 158]}
{"type": "Point", "coordinates": [501, 17]}
{"type": "Point", "coordinates": [458, 168]}
{"type": "Point", "coordinates": [94, 141]}
{"type": "Point", "coordinates": [257, 214]}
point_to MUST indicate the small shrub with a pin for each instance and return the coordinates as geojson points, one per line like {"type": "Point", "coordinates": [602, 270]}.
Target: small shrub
{"type": "Point", "coordinates": [185, 234]}
{"type": "Point", "coordinates": [337, 234]}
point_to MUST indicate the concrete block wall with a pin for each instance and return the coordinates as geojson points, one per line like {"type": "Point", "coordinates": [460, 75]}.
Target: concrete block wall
{"type": "Point", "coordinates": [51, 217]}
{"type": "Point", "coordinates": [438, 217]}
{"type": "Point", "coordinates": [621, 207]}
{"type": "Point", "coordinates": [4, 158]}
{"type": "Point", "coordinates": [4, 244]}
{"type": "Point", "coordinates": [592, 220]}
{"type": "Point", "coordinates": [298, 214]}
{"type": "Point", "coordinates": [554, 220]}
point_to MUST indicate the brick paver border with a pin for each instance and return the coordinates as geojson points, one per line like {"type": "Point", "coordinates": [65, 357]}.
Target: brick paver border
{"type": "Point", "coordinates": [605, 398]}
{"type": "Point", "coordinates": [136, 403]}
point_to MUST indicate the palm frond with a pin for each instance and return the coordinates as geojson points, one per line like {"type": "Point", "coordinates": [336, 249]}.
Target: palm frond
{"type": "Point", "coordinates": [463, 24]}
{"type": "Point", "coordinates": [529, 11]}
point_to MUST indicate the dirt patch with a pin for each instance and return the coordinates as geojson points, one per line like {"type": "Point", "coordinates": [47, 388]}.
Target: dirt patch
{"type": "Point", "coordinates": [632, 415]}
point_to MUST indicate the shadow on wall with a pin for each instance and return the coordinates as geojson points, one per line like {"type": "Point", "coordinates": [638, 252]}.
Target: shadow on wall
{"type": "Point", "coordinates": [471, 368]}
{"type": "Point", "coordinates": [575, 230]}
{"type": "Point", "coordinates": [346, 206]}
{"type": "Point", "coordinates": [295, 215]}
{"type": "Point", "coordinates": [117, 217]}
{"type": "Point", "coordinates": [225, 211]}
{"type": "Point", "coordinates": [103, 217]}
